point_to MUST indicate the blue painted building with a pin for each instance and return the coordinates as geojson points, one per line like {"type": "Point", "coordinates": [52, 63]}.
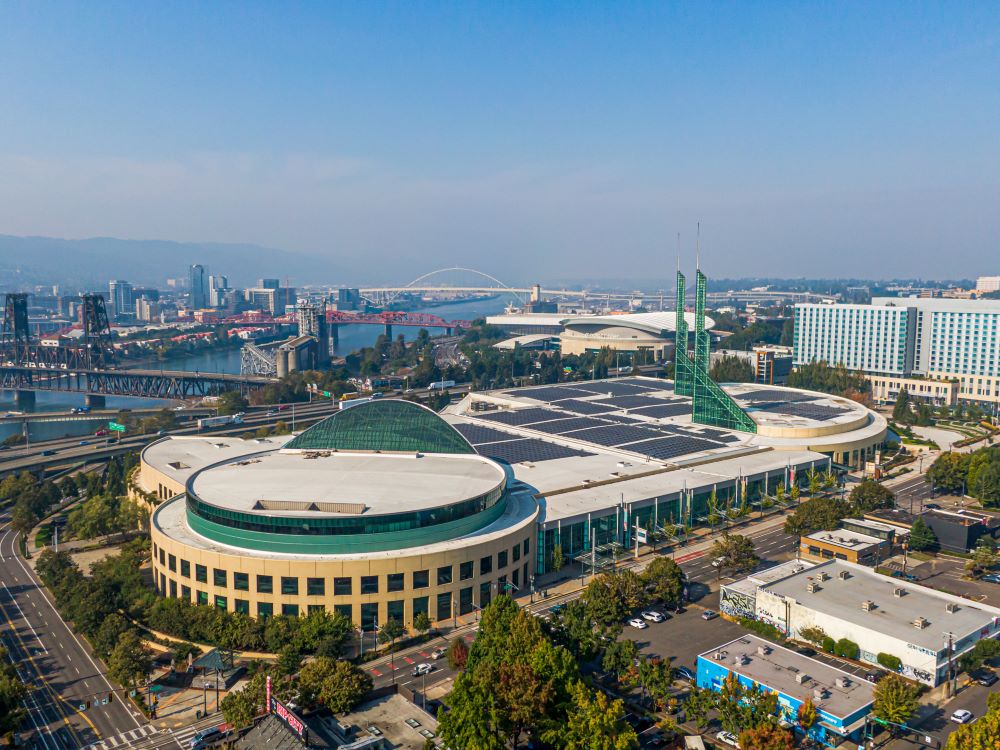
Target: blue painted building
{"type": "Point", "coordinates": [842, 700]}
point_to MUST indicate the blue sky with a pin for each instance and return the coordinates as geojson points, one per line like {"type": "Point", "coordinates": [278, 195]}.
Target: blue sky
{"type": "Point", "coordinates": [549, 140]}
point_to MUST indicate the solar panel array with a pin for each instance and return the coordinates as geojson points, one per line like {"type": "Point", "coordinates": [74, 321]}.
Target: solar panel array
{"type": "Point", "coordinates": [819, 412]}
{"type": "Point", "coordinates": [521, 416]}
{"type": "Point", "coordinates": [476, 434]}
{"type": "Point", "coordinates": [612, 435]}
{"type": "Point", "coordinates": [615, 388]}
{"type": "Point", "coordinates": [771, 394]}
{"type": "Point", "coordinates": [631, 402]}
{"type": "Point", "coordinates": [664, 411]}
{"type": "Point", "coordinates": [559, 426]}
{"type": "Point", "coordinates": [527, 449]}
{"type": "Point", "coordinates": [670, 447]}
{"type": "Point", "coordinates": [585, 407]}
{"type": "Point", "coordinates": [546, 393]}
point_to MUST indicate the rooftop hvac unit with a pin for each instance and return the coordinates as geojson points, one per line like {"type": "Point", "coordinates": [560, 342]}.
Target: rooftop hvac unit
{"type": "Point", "coordinates": [821, 576]}
{"type": "Point", "coordinates": [819, 693]}
{"type": "Point", "coordinates": [843, 682]}
{"type": "Point", "coordinates": [920, 623]}
{"type": "Point", "coordinates": [812, 587]}
{"type": "Point", "coordinates": [898, 592]}
{"type": "Point", "coordinates": [740, 660]}
{"type": "Point", "coordinates": [951, 607]}
{"type": "Point", "coordinates": [867, 605]}
{"type": "Point", "coordinates": [844, 575]}
{"type": "Point", "coordinates": [763, 650]}
{"type": "Point", "coordinates": [802, 678]}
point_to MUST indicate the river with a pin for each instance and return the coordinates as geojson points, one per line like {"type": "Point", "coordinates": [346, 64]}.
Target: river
{"type": "Point", "coordinates": [352, 338]}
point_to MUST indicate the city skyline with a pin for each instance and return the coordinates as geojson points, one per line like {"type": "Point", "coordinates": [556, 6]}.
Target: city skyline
{"type": "Point", "coordinates": [806, 140]}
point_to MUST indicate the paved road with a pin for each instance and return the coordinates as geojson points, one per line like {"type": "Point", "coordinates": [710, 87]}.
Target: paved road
{"type": "Point", "coordinates": [58, 668]}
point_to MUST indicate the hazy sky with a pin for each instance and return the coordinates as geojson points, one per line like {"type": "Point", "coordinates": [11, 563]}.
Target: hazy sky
{"type": "Point", "coordinates": [530, 139]}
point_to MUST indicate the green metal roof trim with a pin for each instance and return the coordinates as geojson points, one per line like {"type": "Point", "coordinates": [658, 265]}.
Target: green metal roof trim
{"type": "Point", "coordinates": [383, 425]}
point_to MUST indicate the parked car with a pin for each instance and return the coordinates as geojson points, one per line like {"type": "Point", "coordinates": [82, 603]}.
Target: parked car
{"type": "Point", "coordinates": [985, 677]}
{"type": "Point", "coordinates": [422, 669]}
{"type": "Point", "coordinates": [991, 578]}
{"type": "Point", "coordinates": [438, 653]}
{"type": "Point", "coordinates": [653, 616]}
{"type": "Point", "coordinates": [84, 442]}
{"type": "Point", "coordinates": [683, 673]}
{"type": "Point", "coordinates": [962, 716]}
{"type": "Point", "coordinates": [205, 737]}
{"type": "Point", "coordinates": [709, 614]}
{"type": "Point", "coordinates": [638, 622]}
{"type": "Point", "coordinates": [728, 738]}
{"type": "Point", "coordinates": [932, 506]}
{"type": "Point", "coordinates": [806, 651]}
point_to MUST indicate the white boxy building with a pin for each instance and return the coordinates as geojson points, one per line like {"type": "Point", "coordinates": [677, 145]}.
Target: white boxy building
{"type": "Point", "coordinates": [924, 627]}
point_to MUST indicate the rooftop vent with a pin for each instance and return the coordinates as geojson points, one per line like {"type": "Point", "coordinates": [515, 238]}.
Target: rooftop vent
{"type": "Point", "coordinates": [763, 650]}
{"type": "Point", "coordinates": [812, 587]}
{"type": "Point", "coordinates": [951, 608]}
{"type": "Point", "coordinates": [867, 605]}
{"type": "Point", "coordinates": [843, 682]}
{"type": "Point", "coordinates": [821, 576]}
{"type": "Point", "coordinates": [920, 623]}
{"type": "Point", "coordinates": [819, 693]}
{"type": "Point", "coordinates": [802, 678]}
{"type": "Point", "coordinates": [740, 660]}
{"type": "Point", "coordinates": [844, 575]}
{"type": "Point", "coordinates": [898, 592]}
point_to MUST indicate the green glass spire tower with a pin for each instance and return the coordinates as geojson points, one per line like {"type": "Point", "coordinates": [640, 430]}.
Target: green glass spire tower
{"type": "Point", "coordinates": [683, 380]}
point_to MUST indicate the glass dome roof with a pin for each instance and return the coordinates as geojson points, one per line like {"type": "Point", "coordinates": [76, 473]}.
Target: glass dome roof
{"type": "Point", "coordinates": [383, 425]}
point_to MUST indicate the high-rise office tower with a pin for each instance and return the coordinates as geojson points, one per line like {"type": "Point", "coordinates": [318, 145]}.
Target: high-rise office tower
{"type": "Point", "coordinates": [198, 286]}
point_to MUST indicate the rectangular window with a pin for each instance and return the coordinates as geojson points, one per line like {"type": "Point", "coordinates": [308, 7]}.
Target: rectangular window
{"type": "Point", "coordinates": [465, 601]}
{"type": "Point", "coordinates": [484, 594]}
{"type": "Point", "coordinates": [241, 581]}
{"type": "Point", "coordinates": [163, 556]}
{"type": "Point", "coordinates": [395, 582]}
{"type": "Point", "coordinates": [420, 604]}
{"type": "Point", "coordinates": [220, 603]}
{"type": "Point", "coordinates": [444, 605]}
{"type": "Point", "coordinates": [444, 575]}
{"type": "Point", "coordinates": [172, 563]}
{"type": "Point", "coordinates": [394, 610]}
{"type": "Point", "coordinates": [315, 586]}
{"type": "Point", "coordinates": [420, 579]}
{"type": "Point", "coordinates": [345, 610]}
{"type": "Point", "coordinates": [265, 610]}
{"type": "Point", "coordinates": [501, 560]}
{"type": "Point", "coordinates": [369, 616]}
{"type": "Point", "coordinates": [186, 593]}
{"type": "Point", "coordinates": [265, 585]}
{"type": "Point", "coordinates": [486, 565]}
{"type": "Point", "coordinates": [202, 597]}
{"type": "Point", "coordinates": [465, 571]}
{"type": "Point", "coordinates": [219, 578]}
{"type": "Point", "coordinates": [185, 568]}
{"type": "Point", "coordinates": [315, 608]}
{"type": "Point", "coordinates": [517, 552]}
{"type": "Point", "coordinates": [173, 589]}
{"type": "Point", "coordinates": [341, 586]}
{"type": "Point", "coordinates": [290, 610]}
{"type": "Point", "coordinates": [200, 573]}
{"type": "Point", "coordinates": [525, 548]}
{"type": "Point", "coordinates": [289, 585]}
{"type": "Point", "coordinates": [242, 606]}
{"type": "Point", "coordinates": [369, 584]}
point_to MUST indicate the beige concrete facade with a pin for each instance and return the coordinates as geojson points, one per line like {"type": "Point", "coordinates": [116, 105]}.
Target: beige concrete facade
{"type": "Point", "coordinates": [943, 391]}
{"type": "Point", "coordinates": [444, 580]}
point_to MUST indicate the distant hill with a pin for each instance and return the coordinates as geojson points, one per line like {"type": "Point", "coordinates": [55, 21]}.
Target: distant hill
{"type": "Point", "coordinates": [90, 263]}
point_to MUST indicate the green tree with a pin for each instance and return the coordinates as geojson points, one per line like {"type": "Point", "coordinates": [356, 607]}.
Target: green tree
{"type": "Point", "coordinates": [817, 514]}
{"type": "Point", "coordinates": [240, 707]}
{"type": "Point", "coordinates": [767, 737]}
{"type": "Point", "coordinates": [984, 557]}
{"type": "Point", "coordinates": [700, 702]}
{"type": "Point", "coordinates": [870, 495]}
{"type": "Point", "coordinates": [807, 715]}
{"type": "Point", "coordinates": [391, 632]}
{"type": "Point", "coordinates": [734, 552]}
{"type": "Point", "coordinates": [889, 661]}
{"type": "Point", "coordinates": [619, 658]}
{"type": "Point", "coordinates": [980, 735]}
{"type": "Point", "coordinates": [129, 663]}
{"type": "Point", "coordinates": [611, 596]}
{"type": "Point", "coordinates": [922, 537]}
{"type": "Point", "coordinates": [422, 623]}
{"type": "Point", "coordinates": [902, 412]}
{"type": "Point", "coordinates": [12, 695]}
{"type": "Point", "coordinates": [948, 472]}
{"type": "Point", "coordinates": [731, 369]}
{"type": "Point", "coordinates": [744, 707]}
{"type": "Point", "coordinates": [597, 723]}
{"type": "Point", "coordinates": [336, 684]}
{"type": "Point", "coordinates": [573, 628]}
{"type": "Point", "coordinates": [814, 634]}
{"type": "Point", "coordinates": [289, 661]}
{"type": "Point", "coordinates": [896, 700]}
{"type": "Point", "coordinates": [231, 402]}
{"type": "Point", "coordinates": [23, 518]}
{"type": "Point", "coordinates": [847, 648]}
{"type": "Point", "coordinates": [664, 580]}
{"type": "Point", "coordinates": [557, 557]}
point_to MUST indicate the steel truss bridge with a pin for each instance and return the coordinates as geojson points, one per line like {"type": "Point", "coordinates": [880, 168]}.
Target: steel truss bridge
{"type": "Point", "coordinates": [139, 383]}
{"type": "Point", "coordinates": [393, 318]}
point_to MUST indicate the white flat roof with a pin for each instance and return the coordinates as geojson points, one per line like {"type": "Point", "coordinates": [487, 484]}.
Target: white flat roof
{"type": "Point", "coordinates": [851, 540]}
{"type": "Point", "coordinates": [892, 615]}
{"type": "Point", "coordinates": [382, 483]}
{"type": "Point", "coordinates": [180, 456]}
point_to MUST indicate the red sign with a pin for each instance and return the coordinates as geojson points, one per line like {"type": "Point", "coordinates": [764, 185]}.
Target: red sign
{"type": "Point", "coordinates": [290, 720]}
